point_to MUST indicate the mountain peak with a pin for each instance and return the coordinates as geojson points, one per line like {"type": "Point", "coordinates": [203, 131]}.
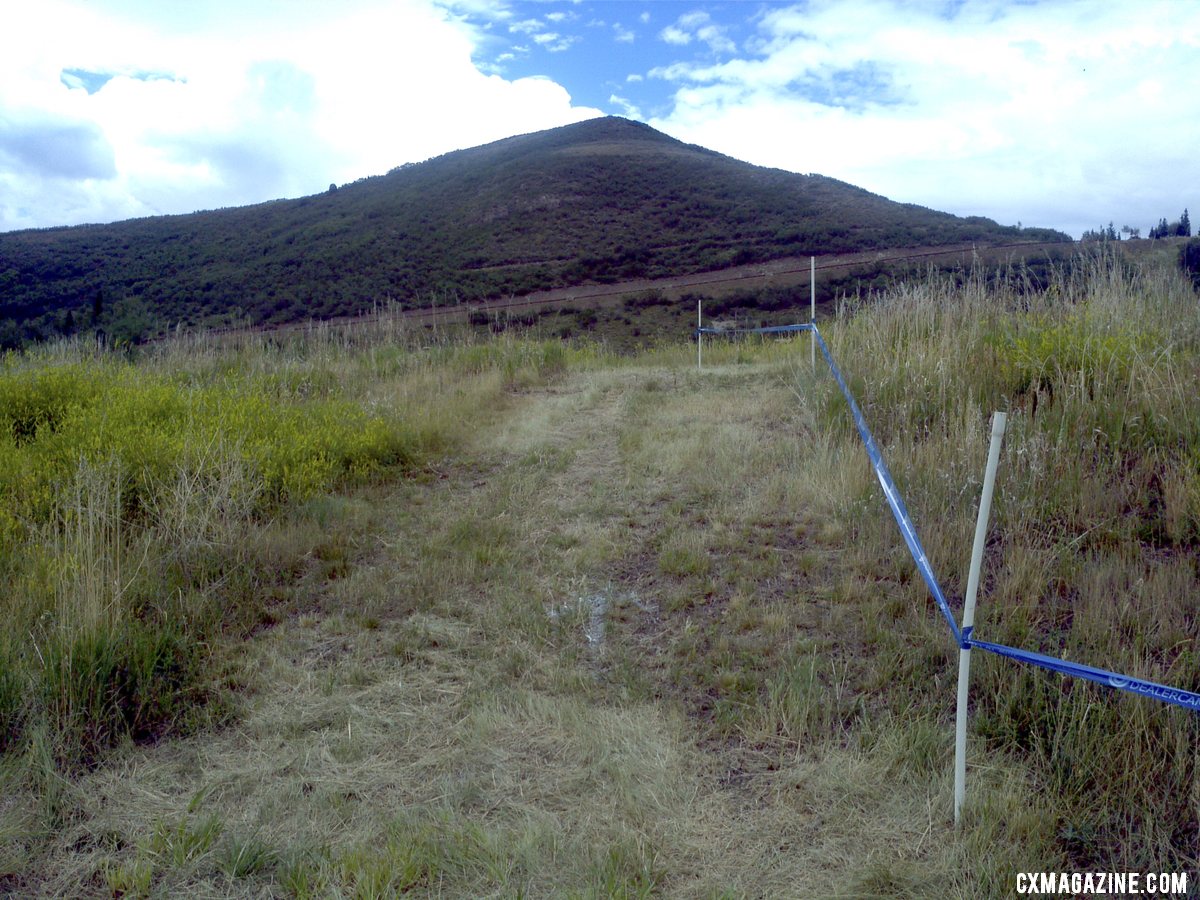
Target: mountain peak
{"type": "Point", "coordinates": [600, 200]}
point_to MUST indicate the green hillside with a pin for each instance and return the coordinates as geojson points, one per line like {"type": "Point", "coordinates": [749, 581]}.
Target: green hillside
{"type": "Point", "coordinates": [597, 201]}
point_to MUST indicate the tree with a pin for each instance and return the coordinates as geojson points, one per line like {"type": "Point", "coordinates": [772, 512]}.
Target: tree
{"type": "Point", "coordinates": [1184, 228]}
{"type": "Point", "coordinates": [1163, 229]}
{"type": "Point", "coordinates": [10, 335]}
{"type": "Point", "coordinates": [131, 322]}
{"type": "Point", "coordinates": [1134, 233]}
{"type": "Point", "coordinates": [1189, 260]}
{"type": "Point", "coordinates": [1103, 233]}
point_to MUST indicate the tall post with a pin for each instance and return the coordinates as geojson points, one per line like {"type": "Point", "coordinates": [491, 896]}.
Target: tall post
{"type": "Point", "coordinates": [812, 310]}
{"type": "Point", "coordinates": [699, 338]}
{"type": "Point", "coordinates": [968, 620]}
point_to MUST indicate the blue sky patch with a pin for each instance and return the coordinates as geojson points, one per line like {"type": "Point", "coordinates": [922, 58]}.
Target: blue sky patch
{"type": "Point", "coordinates": [82, 78]}
{"type": "Point", "coordinates": [93, 81]}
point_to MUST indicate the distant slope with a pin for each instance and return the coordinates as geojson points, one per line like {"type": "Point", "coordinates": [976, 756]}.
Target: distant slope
{"type": "Point", "coordinates": [597, 201]}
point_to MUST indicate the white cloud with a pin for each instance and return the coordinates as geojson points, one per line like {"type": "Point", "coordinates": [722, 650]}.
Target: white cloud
{"type": "Point", "coordinates": [526, 26]}
{"type": "Point", "coordinates": [628, 108]}
{"type": "Point", "coordinates": [554, 42]}
{"type": "Point", "coordinates": [276, 101]}
{"type": "Point", "coordinates": [676, 35]}
{"type": "Point", "coordinates": [55, 148]}
{"type": "Point", "coordinates": [699, 26]}
{"type": "Point", "coordinates": [623, 35]}
{"type": "Point", "coordinates": [673, 35]}
{"type": "Point", "coordinates": [1057, 114]}
{"type": "Point", "coordinates": [693, 20]}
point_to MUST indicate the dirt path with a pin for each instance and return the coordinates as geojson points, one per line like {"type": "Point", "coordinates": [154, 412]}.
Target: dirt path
{"type": "Point", "coordinates": [453, 717]}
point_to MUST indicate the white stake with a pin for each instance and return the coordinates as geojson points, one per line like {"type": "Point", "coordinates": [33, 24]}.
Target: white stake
{"type": "Point", "coordinates": [699, 339]}
{"type": "Point", "coordinates": [968, 620]}
{"type": "Point", "coordinates": [812, 309]}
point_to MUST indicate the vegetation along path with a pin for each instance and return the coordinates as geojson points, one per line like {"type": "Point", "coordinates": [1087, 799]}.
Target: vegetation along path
{"type": "Point", "coordinates": [636, 630]}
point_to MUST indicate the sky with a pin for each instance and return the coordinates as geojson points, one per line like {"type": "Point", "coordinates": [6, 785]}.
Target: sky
{"type": "Point", "coordinates": [1065, 114]}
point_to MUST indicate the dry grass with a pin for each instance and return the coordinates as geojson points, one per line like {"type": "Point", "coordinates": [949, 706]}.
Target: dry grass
{"type": "Point", "coordinates": [436, 729]}
{"type": "Point", "coordinates": [651, 632]}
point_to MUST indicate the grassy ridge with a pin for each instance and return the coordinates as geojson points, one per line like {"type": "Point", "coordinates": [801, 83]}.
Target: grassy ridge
{"type": "Point", "coordinates": [140, 505]}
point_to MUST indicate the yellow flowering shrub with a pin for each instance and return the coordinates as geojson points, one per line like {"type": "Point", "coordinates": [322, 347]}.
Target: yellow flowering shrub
{"type": "Point", "coordinates": [52, 418]}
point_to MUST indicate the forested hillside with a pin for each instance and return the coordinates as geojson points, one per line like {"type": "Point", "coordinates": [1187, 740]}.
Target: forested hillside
{"type": "Point", "coordinates": [601, 200]}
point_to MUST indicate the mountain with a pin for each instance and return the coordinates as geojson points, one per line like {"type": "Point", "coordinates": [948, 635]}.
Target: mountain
{"type": "Point", "coordinates": [597, 201]}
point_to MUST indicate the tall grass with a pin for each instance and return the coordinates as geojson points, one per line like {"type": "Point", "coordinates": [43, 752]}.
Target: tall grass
{"type": "Point", "coordinates": [138, 498]}
{"type": "Point", "coordinates": [1093, 549]}
{"type": "Point", "coordinates": [767, 592]}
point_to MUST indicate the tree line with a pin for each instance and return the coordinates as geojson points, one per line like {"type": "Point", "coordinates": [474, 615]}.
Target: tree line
{"type": "Point", "coordinates": [1181, 227]}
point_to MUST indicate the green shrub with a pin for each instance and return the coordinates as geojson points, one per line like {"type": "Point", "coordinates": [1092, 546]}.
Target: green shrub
{"type": "Point", "coordinates": [115, 478]}
{"type": "Point", "coordinates": [154, 427]}
{"type": "Point", "coordinates": [1189, 260]}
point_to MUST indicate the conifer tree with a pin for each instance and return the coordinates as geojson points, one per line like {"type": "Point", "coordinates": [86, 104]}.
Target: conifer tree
{"type": "Point", "coordinates": [1189, 260]}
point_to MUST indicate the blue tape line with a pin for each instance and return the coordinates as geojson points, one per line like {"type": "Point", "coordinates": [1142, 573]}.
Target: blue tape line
{"type": "Point", "coordinates": [1176, 696]}
{"type": "Point", "coordinates": [892, 495]}
{"type": "Point", "coordinates": [771, 329]}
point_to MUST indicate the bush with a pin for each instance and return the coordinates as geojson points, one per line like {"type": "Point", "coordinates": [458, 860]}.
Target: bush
{"type": "Point", "coordinates": [52, 418]}
{"type": "Point", "coordinates": [12, 691]}
{"type": "Point", "coordinates": [1189, 260]}
{"type": "Point", "coordinates": [114, 478]}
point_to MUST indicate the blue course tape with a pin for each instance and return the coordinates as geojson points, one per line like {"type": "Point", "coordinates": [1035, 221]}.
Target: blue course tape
{"type": "Point", "coordinates": [890, 493]}
{"type": "Point", "coordinates": [1177, 696]}
{"type": "Point", "coordinates": [772, 329]}
{"type": "Point", "coordinates": [894, 500]}
{"type": "Point", "coordinates": [964, 639]}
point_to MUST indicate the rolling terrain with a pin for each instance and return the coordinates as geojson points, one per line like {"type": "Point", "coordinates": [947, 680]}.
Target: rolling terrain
{"type": "Point", "coordinates": [597, 202]}
{"type": "Point", "coordinates": [443, 613]}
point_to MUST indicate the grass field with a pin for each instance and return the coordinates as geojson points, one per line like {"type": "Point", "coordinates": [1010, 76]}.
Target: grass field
{"type": "Point", "coordinates": [539, 620]}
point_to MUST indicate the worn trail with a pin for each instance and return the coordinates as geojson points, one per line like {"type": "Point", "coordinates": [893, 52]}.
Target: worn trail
{"type": "Point", "coordinates": [527, 681]}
